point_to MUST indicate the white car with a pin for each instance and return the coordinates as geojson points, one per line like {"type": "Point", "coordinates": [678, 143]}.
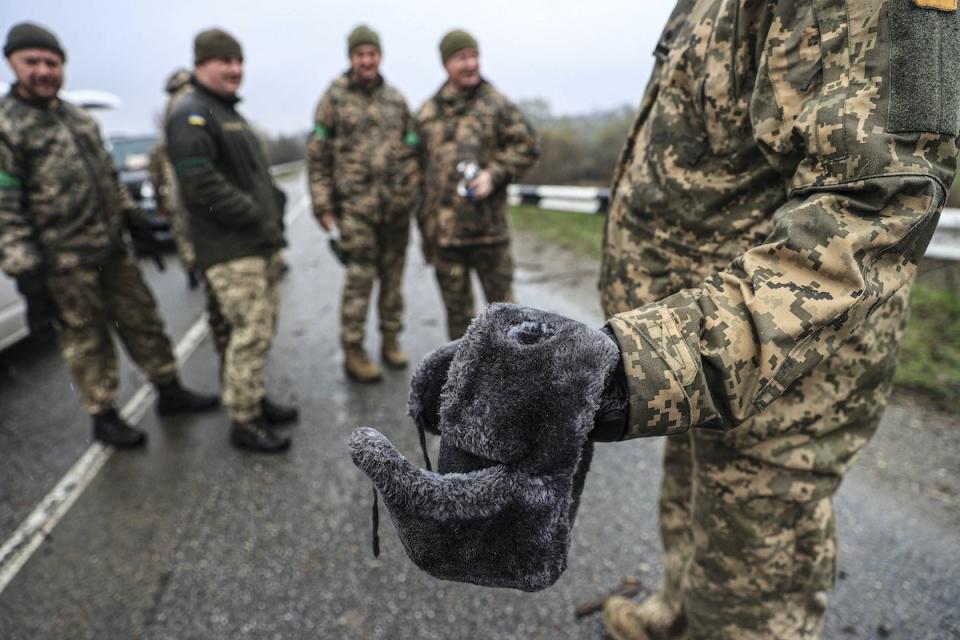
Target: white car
{"type": "Point", "coordinates": [13, 309]}
{"type": "Point", "coordinates": [13, 313]}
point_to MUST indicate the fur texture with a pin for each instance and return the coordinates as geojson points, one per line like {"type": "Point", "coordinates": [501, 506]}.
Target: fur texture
{"type": "Point", "coordinates": [521, 390]}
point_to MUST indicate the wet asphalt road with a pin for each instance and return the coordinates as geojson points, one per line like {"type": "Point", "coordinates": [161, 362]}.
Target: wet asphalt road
{"type": "Point", "coordinates": [190, 538]}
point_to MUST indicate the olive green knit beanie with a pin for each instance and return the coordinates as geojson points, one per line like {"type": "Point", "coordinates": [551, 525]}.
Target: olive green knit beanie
{"type": "Point", "coordinates": [454, 41]}
{"type": "Point", "coordinates": [27, 35]}
{"type": "Point", "coordinates": [363, 35]}
{"type": "Point", "coordinates": [215, 43]}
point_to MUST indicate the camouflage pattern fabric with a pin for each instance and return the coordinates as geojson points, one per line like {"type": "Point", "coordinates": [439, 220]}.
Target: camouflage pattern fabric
{"type": "Point", "coordinates": [62, 205]}
{"type": "Point", "coordinates": [479, 126]}
{"type": "Point", "coordinates": [91, 302]}
{"type": "Point", "coordinates": [767, 217]}
{"type": "Point", "coordinates": [375, 251]}
{"type": "Point", "coordinates": [363, 168]}
{"type": "Point", "coordinates": [164, 179]}
{"type": "Point", "coordinates": [494, 267]}
{"type": "Point", "coordinates": [245, 291]}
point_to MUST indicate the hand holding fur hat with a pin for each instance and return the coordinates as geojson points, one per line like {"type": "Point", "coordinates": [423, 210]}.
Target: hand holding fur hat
{"type": "Point", "coordinates": [515, 413]}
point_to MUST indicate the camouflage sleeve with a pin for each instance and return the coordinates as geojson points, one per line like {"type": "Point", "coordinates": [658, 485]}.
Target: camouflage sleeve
{"type": "Point", "coordinates": [868, 149]}
{"type": "Point", "coordinates": [409, 159]}
{"type": "Point", "coordinates": [517, 147]}
{"type": "Point", "coordinates": [320, 158]}
{"type": "Point", "coordinates": [18, 250]}
{"type": "Point", "coordinates": [205, 191]}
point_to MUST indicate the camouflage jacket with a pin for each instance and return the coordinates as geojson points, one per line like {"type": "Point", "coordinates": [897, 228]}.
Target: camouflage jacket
{"type": "Point", "coordinates": [162, 175]}
{"type": "Point", "coordinates": [484, 127]}
{"type": "Point", "coordinates": [235, 209]}
{"type": "Point", "coordinates": [362, 155]}
{"type": "Point", "coordinates": [807, 149]}
{"type": "Point", "coordinates": [62, 204]}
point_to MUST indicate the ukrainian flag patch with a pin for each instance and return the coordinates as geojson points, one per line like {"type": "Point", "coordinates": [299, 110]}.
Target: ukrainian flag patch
{"type": "Point", "coordinates": [197, 120]}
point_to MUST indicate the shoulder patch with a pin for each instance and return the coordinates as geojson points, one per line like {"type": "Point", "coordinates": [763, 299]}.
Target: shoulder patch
{"type": "Point", "coordinates": [197, 120]}
{"type": "Point", "coordinates": [321, 132]}
{"type": "Point", "coordinates": [940, 5]}
{"type": "Point", "coordinates": [411, 139]}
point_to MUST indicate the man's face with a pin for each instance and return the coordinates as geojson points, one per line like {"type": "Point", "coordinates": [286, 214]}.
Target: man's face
{"type": "Point", "coordinates": [221, 75]}
{"type": "Point", "coordinates": [39, 73]}
{"type": "Point", "coordinates": [365, 63]}
{"type": "Point", "coordinates": [463, 68]}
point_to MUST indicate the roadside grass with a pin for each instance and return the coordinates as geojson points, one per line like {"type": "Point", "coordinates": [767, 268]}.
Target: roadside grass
{"type": "Point", "coordinates": [929, 354]}
{"type": "Point", "coordinates": [579, 232]}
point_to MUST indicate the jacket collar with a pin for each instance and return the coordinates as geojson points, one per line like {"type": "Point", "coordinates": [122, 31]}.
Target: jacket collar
{"type": "Point", "coordinates": [203, 89]}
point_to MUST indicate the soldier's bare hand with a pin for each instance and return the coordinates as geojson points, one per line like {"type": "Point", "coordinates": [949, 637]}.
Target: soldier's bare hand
{"type": "Point", "coordinates": [328, 221]}
{"type": "Point", "coordinates": [482, 185]}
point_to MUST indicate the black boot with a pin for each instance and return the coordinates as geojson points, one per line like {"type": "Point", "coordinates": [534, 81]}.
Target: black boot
{"type": "Point", "coordinates": [275, 413]}
{"type": "Point", "coordinates": [173, 398]}
{"type": "Point", "coordinates": [110, 428]}
{"type": "Point", "coordinates": [255, 436]}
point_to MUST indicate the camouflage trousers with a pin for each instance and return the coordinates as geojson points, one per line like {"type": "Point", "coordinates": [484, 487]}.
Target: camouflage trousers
{"type": "Point", "coordinates": [375, 251]}
{"type": "Point", "coordinates": [92, 302]}
{"type": "Point", "coordinates": [180, 225]}
{"type": "Point", "coordinates": [245, 293]}
{"type": "Point", "coordinates": [453, 265]}
{"type": "Point", "coordinates": [746, 516]}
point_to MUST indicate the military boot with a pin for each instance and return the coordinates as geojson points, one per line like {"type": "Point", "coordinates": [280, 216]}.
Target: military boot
{"type": "Point", "coordinates": [359, 366]}
{"type": "Point", "coordinates": [254, 435]}
{"type": "Point", "coordinates": [391, 352]}
{"type": "Point", "coordinates": [652, 619]}
{"type": "Point", "coordinates": [274, 413]}
{"type": "Point", "coordinates": [110, 428]}
{"type": "Point", "coordinates": [173, 398]}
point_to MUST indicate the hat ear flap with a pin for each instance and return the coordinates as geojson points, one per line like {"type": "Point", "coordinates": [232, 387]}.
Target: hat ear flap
{"type": "Point", "coordinates": [423, 403]}
{"type": "Point", "coordinates": [495, 526]}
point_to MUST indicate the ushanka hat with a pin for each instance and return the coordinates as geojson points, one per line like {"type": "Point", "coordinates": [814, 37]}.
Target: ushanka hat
{"type": "Point", "coordinates": [515, 411]}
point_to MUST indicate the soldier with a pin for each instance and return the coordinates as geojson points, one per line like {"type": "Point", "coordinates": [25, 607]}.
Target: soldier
{"type": "Point", "coordinates": [164, 180]}
{"type": "Point", "coordinates": [62, 214]}
{"type": "Point", "coordinates": [364, 178]}
{"type": "Point", "coordinates": [236, 222]}
{"type": "Point", "coordinates": [783, 178]}
{"type": "Point", "coordinates": [475, 143]}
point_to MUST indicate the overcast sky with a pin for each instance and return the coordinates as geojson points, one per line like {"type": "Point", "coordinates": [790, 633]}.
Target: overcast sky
{"type": "Point", "coordinates": [579, 56]}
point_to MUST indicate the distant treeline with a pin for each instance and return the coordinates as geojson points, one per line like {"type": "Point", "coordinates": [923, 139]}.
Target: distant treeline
{"type": "Point", "coordinates": [578, 149]}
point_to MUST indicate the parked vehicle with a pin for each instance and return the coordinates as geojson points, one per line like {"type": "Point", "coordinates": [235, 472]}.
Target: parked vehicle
{"type": "Point", "coordinates": [131, 155]}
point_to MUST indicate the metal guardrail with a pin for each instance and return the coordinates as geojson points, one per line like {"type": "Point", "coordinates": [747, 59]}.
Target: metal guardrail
{"type": "Point", "coordinates": [287, 167]}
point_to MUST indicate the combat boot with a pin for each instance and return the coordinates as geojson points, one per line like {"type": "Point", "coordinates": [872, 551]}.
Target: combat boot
{"type": "Point", "coordinates": [274, 413]}
{"type": "Point", "coordinates": [173, 398]}
{"type": "Point", "coordinates": [391, 352]}
{"type": "Point", "coordinates": [255, 436]}
{"type": "Point", "coordinates": [110, 428]}
{"type": "Point", "coordinates": [359, 366]}
{"type": "Point", "coordinates": [652, 619]}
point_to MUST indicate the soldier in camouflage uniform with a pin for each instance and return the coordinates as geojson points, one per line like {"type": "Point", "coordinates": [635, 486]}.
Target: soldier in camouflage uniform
{"type": "Point", "coordinates": [364, 178]}
{"type": "Point", "coordinates": [236, 223]}
{"type": "Point", "coordinates": [781, 182]}
{"type": "Point", "coordinates": [469, 121]}
{"type": "Point", "coordinates": [62, 214]}
{"type": "Point", "coordinates": [165, 181]}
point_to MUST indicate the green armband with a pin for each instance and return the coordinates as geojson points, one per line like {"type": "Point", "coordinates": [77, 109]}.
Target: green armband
{"type": "Point", "coordinates": [411, 139]}
{"type": "Point", "coordinates": [321, 132]}
{"type": "Point", "coordinates": [8, 181]}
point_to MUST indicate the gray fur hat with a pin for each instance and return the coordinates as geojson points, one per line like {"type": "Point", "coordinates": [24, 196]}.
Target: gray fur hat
{"type": "Point", "coordinates": [515, 412]}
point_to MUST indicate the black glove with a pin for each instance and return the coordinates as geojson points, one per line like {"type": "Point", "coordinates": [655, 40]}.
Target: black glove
{"type": "Point", "coordinates": [145, 243]}
{"type": "Point", "coordinates": [41, 309]}
{"type": "Point", "coordinates": [610, 421]}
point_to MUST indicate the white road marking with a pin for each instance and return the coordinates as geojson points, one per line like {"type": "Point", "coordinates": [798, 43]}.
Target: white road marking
{"type": "Point", "coordinates": [31, 533]}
